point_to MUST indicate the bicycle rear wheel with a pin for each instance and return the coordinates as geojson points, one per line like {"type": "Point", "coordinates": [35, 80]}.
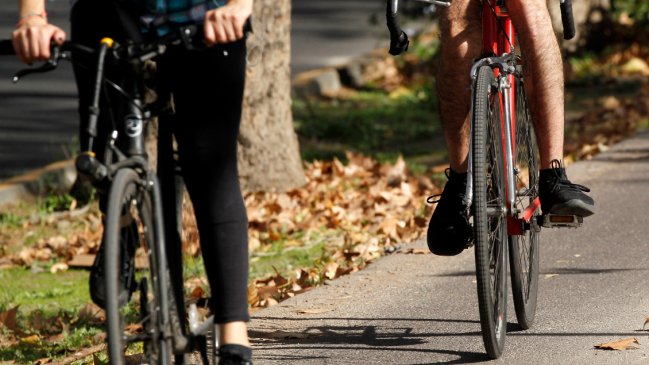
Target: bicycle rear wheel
{"type": "Point", "coordinates": [524, 249]}
{"type": "Point", "coordinates": [129, 216]}
{"type": "Point", "coordinates": [489, 212]}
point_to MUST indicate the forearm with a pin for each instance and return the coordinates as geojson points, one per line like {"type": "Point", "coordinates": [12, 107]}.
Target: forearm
{"type": "Point", "coordinates": [30, 7]}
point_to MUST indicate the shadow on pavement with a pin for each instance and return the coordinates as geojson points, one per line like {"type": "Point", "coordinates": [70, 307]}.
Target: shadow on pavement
{"type": "Point", "coordinates": [562, 271]}
{"type": "Point", "coordinates": [365, 337]}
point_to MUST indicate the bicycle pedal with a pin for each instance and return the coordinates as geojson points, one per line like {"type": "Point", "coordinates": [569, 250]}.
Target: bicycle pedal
{"type": "Point", "coordinates": [561, 221]}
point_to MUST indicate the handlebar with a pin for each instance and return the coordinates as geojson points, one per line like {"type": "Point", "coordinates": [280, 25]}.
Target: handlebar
{"type": "Point", "coordinates": [567, 19]}
{"type": "Point", "coordinates": [141, 51]}
{"type": "Point", "coordinates": [399, 39]}
{"type": "Point", "coordinates": [58, 52]}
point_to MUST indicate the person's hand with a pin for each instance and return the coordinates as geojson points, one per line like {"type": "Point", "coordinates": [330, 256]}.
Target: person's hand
{"type": "Point", "coordinates": [225, 24]}
{"type": "Point", "coordinates": [33, 37]}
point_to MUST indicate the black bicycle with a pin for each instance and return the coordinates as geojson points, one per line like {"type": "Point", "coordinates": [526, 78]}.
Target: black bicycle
{"type": "Point", "coordinates": [155, 316]}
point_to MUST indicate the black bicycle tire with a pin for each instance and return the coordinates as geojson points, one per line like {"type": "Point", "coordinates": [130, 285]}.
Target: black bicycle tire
{"type": "Point", "coordinates": [524, 250]}
{"type": "Point", "coordinates": [487, 153]}
{"type": "Point", "coordinates": [125, 189]}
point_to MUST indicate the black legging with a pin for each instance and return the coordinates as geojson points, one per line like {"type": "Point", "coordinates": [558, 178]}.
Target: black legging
{"type": "Point", "coordinates": [207, 88]}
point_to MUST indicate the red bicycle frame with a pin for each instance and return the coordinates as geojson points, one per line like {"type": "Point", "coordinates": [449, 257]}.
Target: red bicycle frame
{"type": "Point", "coordinates": [498, 39]}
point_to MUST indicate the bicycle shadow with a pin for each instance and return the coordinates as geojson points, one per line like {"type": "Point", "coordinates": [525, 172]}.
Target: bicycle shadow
{"type": "Point", "coordinates": [362, 337]}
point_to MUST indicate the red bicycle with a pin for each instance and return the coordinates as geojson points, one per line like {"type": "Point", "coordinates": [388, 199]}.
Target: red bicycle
{"type": "Point", "coordinates": [502, 188]}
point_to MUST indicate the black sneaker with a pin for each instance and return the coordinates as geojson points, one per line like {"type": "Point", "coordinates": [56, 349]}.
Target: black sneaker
{"type": "Point", "coordinates": [129, 241]}
{"type": "Point", "coordinates": [449, 231]}
{"type": "Point", "coordinates": [235, 355]}
{"type": "Point", "coordinates": [561, 197]}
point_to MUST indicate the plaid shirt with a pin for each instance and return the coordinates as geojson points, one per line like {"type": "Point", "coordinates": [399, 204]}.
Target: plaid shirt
{"type": "Point", "coordinates": [179, 11]}
{"type": "Point", "coordinates": [161, 13]}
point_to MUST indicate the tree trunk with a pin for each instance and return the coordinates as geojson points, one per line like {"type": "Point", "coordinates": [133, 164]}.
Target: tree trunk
{"type": "Point", "coordinates": [269, 156]}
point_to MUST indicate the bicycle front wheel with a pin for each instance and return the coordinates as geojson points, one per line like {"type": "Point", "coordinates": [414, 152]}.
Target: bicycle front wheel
{"type": "Point", "coordinates": [489, 212]}
{"type": "Point", "coordinates": [524, 249]}
{"type": "Point", "coordinates": [135, 318]}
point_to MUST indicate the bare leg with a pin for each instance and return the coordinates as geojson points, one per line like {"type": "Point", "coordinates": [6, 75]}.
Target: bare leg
{"type": "Point", "coordinates": [543, 75]}
{"type": "Point", "coordinates": [461, 29]}
{"type": "Point", "coordinates": [234, 333]}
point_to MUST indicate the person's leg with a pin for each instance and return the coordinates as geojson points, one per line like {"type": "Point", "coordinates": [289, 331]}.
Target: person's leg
{"type": "Point", "coordinates": [208, 90]}
{"type": "Point", "coordinates": [544, 85]}
{"type": "Point", "coordinates": [449, 231]}
{"type": "Point", "coordinates": [461, 38]}
{"type": "Point", "coordinates": [544, 82]}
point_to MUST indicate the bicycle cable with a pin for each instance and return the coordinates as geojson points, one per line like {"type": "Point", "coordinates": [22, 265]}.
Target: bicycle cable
{"type": "Point", "coordinates": [111, 115]}
{"type": "Point", "coordinates": [502, 27]}
{"type": "Point", "coordinates": [116, 87]}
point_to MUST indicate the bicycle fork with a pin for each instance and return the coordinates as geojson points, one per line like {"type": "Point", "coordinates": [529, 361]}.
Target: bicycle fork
{"type": "Point", "coordinates": [517, 224]}
{"type": "Point", "coordinates": [517, 221]}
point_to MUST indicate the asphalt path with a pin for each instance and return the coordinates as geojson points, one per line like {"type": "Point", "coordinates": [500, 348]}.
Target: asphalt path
{"type": "Point", "coordinates": [38, 119]}
{"type": "Point", "coordinates": [422, 309]}
{"type": "Point", "coordinates": [330, 33]}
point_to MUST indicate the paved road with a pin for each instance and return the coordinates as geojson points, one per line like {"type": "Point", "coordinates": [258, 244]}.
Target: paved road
{"type": "Point", "coordinates": [38, 121]}
{"type": "Point", "coordinates": [422, 309]}
{"type": "Point", "coordinates": [328, 33]}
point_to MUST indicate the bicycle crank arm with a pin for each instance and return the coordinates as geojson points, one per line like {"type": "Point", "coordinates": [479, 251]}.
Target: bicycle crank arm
{"type": "Point", "coordinates": [560, 221]}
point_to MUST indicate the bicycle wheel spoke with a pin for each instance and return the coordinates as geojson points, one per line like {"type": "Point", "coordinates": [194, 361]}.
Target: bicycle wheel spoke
{"type": "Point", "coordinates": [524, 248]}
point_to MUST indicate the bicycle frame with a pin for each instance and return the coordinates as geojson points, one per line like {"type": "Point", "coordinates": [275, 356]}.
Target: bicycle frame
{"type": "Point", "coordinates": [129, 128]}
{"type": "Point", "coordinates": [498, 53]}
{"type": "Point", "coordinates": [498, 37]}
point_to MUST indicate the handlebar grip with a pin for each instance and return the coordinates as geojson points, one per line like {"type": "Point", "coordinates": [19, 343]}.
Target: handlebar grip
{"type": "Point", "coordinates": [398, 38]}
{"type": "Point", "coordinates": [6, 47]}
{"type": "Point", "coordinates": [567, 19]}
{"type": "Point", "coordinates": [399, 45]}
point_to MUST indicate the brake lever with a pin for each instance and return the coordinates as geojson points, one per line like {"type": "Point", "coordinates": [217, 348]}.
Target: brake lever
{"type": "Point", "coordinates": [48, 66]}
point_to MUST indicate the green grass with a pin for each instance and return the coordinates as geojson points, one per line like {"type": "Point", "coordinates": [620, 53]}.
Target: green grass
{"type": "Point", "coordinates": [374, 123]}
{"type": "Point", "coordinates": [644, 124]}
{"type": "Point", "coordinates": [284, 259]}
{"type": "Point", "coordinates": [43, 291]}
{"type": "Point", "coordinates": [56, 203]}
{"type": "Point", "coordinates": [48, 305]}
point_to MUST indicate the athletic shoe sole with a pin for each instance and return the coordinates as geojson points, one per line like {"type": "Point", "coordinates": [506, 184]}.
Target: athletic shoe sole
{"type": "Point", "coordinates": [573, 207]}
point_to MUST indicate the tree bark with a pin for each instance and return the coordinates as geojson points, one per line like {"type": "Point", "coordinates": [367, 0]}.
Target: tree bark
{"type": "Point", "coordinates": [269, 156]}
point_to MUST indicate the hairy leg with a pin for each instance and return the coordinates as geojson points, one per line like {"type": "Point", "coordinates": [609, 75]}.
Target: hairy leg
{"type": "Point", "coordinates": [543, 74]}
{"type": "Point", "coordinates": [461, 29]}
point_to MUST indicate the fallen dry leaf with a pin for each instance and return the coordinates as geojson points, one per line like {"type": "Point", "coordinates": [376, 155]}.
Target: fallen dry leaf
{"type": "Point", "coordinates": [60, 266]}
{"type": "Point", "coordinates": [8, 319]}
{"type": "Point", "coordinates": [134, 328]}
{"type": "Point", "coordinates": [30, 340]}
{"type": "Point", "coordinates": [623, 344]}
{"type": "Point", "coordinates": [197, 293]}
{"type": "Point", "coordinates": [92, 313]}
{"type": "Point", "coordinates": [646, 320]}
